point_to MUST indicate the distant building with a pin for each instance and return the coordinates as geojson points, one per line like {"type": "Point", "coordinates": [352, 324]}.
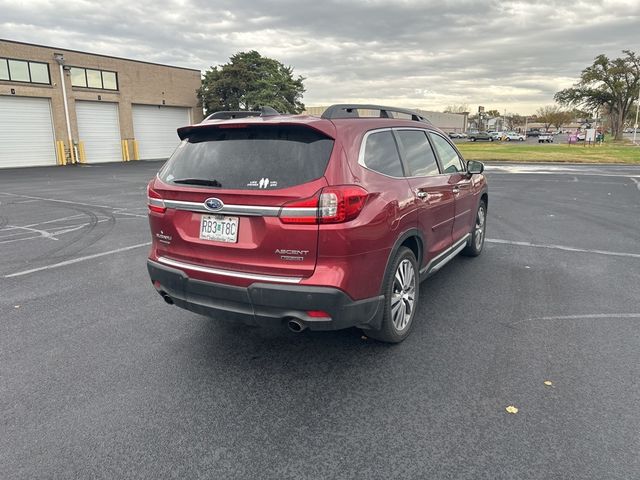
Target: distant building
{"type": "Point", "coordinates": [448, 122]}
{"type": "Point", "coordinates": [115, 109]}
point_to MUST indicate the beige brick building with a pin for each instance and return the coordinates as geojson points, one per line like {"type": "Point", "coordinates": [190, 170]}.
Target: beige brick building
{"type": "Point", "coordinates": [117, 109]}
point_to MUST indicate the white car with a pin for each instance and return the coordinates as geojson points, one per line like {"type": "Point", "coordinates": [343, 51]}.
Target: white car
{"type": "Point", "coordinates": [545, 137]}
{"type": "Point", "coordinates": [509, 136]}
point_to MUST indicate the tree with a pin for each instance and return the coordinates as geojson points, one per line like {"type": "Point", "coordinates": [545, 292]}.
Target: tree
{"type": "Point", "coordinates": [609, 85]}
{"type": "Point", "coordinates": [250, 81]}
{"type": "Point", "coordinates": [462, 108]}
{"type": "Point", "coordinates": [493, 113]}
{"type": "Point", "coordinates": [553, 115]}
{"type": "Point", "coordinates": [546, 115]}
{"type": "Point", "coordinates": [561, 118]}
{"type": "Point", "coordinates": [513, 120]}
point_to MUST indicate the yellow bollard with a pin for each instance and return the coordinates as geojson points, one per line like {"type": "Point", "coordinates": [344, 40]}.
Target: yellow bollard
{"type": "Point", "coordinates": [136, 153]}
{"type": "Point", "coordinates": [81, 153]}
{"type": "Point", "coordinates": [125, 151]}
{"type": "Point", "coordinates": [62, 159]}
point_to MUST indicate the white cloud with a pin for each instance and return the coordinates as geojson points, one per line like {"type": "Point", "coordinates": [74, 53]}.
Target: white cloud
{"type": "Point", "coordinates": [510, 55]}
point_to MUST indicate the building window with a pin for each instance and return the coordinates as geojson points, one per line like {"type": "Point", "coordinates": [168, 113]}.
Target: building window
{"type": "Point", "coordinates": [90, 78]}
{"type": "Point", "coordinates": [24, 71]}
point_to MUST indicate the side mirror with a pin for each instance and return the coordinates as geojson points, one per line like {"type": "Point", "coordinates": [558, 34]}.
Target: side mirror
{"type": "Point", "coordinates": [474, 167]}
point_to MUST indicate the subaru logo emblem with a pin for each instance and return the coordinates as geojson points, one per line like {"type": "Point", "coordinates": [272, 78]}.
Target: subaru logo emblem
{"type": "Point", "coordinates": [213, 204]}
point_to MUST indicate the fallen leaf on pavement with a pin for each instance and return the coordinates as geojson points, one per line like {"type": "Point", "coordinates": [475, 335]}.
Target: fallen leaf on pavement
{"type": "Point", "coordinates": [511, 409]}
{"type": "Point", "coordinates": [548, 383]}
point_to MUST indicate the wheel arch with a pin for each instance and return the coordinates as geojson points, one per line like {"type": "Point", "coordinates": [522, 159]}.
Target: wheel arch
{"type": "Point", "coordinates": [413, 239]}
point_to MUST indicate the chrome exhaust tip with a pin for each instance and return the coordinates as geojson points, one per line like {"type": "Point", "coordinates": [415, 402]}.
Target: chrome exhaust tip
{"type": "Point", "coordinates": [295, 326]}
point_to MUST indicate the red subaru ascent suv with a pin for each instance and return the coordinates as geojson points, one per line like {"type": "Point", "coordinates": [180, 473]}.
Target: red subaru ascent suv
{"type": "Point", "coordinates": [316, 222]}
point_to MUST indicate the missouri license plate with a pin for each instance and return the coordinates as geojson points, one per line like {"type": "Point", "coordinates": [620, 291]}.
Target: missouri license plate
{"type": "Point", "coordinates": [219, 228]}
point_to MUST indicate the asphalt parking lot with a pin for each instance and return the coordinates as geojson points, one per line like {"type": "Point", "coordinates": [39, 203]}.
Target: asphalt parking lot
{"type": "Point", "coordinates": [99, 378]}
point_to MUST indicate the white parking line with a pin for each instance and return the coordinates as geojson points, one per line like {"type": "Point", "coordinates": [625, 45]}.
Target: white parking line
{"type": "Point", "coordinates": [564, 248]}
{"type": "Point", "coordinates": [586, 316]}
{"type": "Point", "coordinates": [76, 260]}
{"type": "Point", "coordinates": [56, 200]}
{"type": "Point", "coordinates": [636, 181]}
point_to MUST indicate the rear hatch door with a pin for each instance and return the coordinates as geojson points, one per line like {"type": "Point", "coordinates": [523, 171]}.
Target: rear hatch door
{"type": "Point", "coordinates": [224, 188]}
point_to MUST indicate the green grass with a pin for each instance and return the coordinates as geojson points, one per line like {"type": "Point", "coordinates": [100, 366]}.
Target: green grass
{"type": "Point", "coordinates": [610, 152]}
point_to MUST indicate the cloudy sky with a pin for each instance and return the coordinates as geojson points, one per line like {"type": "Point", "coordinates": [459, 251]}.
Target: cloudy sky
{"type": "Point", "coordinates": [511, 55]}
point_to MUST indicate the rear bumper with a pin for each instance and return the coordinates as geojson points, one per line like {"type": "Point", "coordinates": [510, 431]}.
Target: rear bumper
{"type": "Point", "coordinates": [262, 303]}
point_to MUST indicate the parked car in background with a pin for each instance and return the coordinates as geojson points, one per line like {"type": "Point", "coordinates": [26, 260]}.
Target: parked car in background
{"type": "Point", "coordinates": [581, 136]}
{"type": "Point", "coordinates": [545, 137]}
{"type": "Point", "coordinates": [534, 132]}
{"type": "Point", "coordinates": [513, 136]}
{"type": "Point", "coordinates": [462, 135]}
{"type": "Point", "coordinates": [454, 135]}
{"type": "Point", "coordinates": [497, 135]}
{"type": "Point", "coordinates": [480, 136]}
{"type": "Point", "coordinates": [319, 223]}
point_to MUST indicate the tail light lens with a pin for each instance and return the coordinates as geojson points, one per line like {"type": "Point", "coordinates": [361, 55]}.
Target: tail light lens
{"type": "Point", "coordinates": [332, 205]}
{"type": "Point", "coordinates": [300, 211]}
{"type": "Point", "coordinates": [154, 201]}
{"type": "Point", "coordinates": [341, 204]}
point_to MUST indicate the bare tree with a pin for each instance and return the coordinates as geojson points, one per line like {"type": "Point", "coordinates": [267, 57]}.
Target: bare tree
{"type": "Point", "coordinates": [547, 115]}
{"type": "Point", "coordinates": [462, 108]}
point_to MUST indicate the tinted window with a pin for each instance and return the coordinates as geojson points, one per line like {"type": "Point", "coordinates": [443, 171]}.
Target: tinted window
{"type": "Point", "coordinates": [19, 71]}
{"type": "Point", "coordinates": [381, 154]}
{"type": "Point", "coordinates": [448, 156]}
{"type": "Point", "coordinates": [39, 72]}
{"type": "Point", "coordinates": [4, 69]}
{"type": "Point", "coordinates": [109, 81]}
{"type": "Point", "coordinates": [251, 158]}
{"type": "Point", "coordinates": [94, 79]}
{"type": "Point", "coordinates": [418, 153]}
{"type": "Point", "coordinates": [78, 78]}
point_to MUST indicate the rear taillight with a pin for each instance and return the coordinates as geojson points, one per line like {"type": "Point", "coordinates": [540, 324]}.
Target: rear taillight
{"type": "Point", "coordinates": [300, 211]}
{"type": "Point", "coordinates": [332, 205]}
{"type": "Point", "coordinates": [154, 201]}
{"type": "Point", "coordinates": [341, 204]}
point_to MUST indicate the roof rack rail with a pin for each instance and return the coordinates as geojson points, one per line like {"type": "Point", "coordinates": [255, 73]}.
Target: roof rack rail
{"type": "Point", "coordinates": [229, 114]}
{"type": "Point", "coordinates": [351, 111]}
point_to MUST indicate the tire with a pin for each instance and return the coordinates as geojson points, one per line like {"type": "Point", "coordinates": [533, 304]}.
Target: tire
{"type": "Point", "coordinates": [476, 243]}
{"type": "Point", "coordinates": [473, 139]}
{"type": "Point", "coordinates": [508, 139]}
{"type": "Point", "coordinates": [521, 139]}
{"type": "Point", "coordinates": [401, 289]}
{"type": "Point", "coordinates": [491, 139]}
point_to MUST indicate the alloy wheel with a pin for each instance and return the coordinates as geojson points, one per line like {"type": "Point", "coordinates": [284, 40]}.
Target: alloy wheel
{"type": "Point", "coordinates": [403, 295]}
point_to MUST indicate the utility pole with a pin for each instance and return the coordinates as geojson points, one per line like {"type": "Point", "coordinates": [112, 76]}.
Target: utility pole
{"type": "Point", "coordinates": [635, 126]}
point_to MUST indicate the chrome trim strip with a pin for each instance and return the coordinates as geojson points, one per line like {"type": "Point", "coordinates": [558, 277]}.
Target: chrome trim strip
{"type": "Point", "coordinates": [299, 211]}
{"type": "Point", "coordinates": [438, 262]}
{"type": "Point", "coordinates": [247, 210]}
{"type": "Point", "coordinates": [462, 213]}
{"type": "Point", "coordinates": [157, 202]}
{"type": "Point", "coordinates": [228, 273]}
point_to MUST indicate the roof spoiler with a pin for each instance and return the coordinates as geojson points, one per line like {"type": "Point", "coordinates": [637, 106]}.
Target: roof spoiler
{"type": "Point", "coordinates": [230, 114]}
{"type": "Point", "coordinates": [184, 132]}
{"type": "Point", "coordinates": [351, 111]}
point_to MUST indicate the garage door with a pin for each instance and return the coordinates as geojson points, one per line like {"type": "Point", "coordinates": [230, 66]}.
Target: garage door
{"type": "Point", "coordinates": [99, 129]}
{"type": "Point", "coordinates": [155, 127]}
{"type": "Point", "coordinates": [26, 132]}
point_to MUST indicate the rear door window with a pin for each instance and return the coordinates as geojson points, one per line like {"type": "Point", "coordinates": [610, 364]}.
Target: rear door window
{"type": "Point", "coordinates": [417, 153]}
{"type": "Point", "coordinates": [255, 157]}
{"type": "Point", "coordinates": [381, 154]}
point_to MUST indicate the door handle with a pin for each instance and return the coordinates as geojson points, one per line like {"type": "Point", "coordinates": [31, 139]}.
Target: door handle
{"type": "Point", "coordinates": [456, 190]}
{"type": "Point", "coordinates": [422, 195]}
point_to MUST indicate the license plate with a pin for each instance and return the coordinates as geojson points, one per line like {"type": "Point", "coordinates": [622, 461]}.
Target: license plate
{"type": "Point", "coordinates": [219, 228]}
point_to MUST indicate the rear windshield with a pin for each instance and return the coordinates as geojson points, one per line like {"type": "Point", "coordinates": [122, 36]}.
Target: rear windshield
{"type": "Point", "coordinates": [255, 157]}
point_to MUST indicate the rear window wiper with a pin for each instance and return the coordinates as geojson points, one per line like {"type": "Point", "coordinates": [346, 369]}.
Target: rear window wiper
{"type": "Point", "coordinates": [198, 181]}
